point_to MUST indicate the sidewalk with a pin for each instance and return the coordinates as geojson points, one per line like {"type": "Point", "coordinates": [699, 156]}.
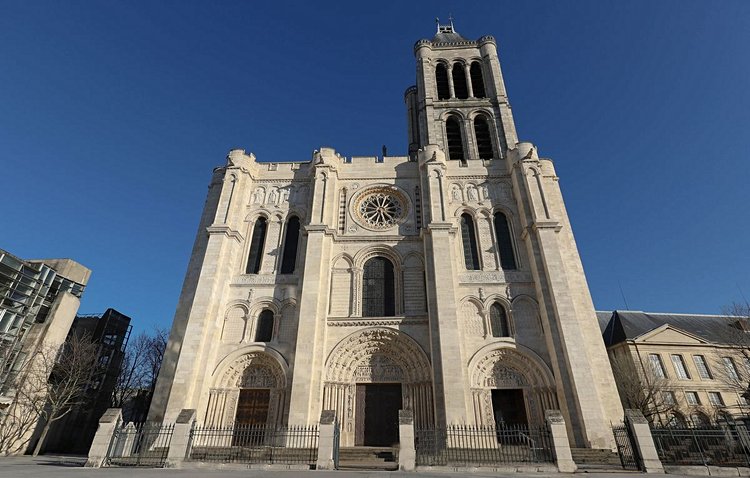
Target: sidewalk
{"type": "Point", "coordinates": [52, 466]}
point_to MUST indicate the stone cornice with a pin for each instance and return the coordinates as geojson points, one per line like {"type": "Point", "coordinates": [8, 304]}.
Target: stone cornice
{"type": "Point", "coordinates": [373, 321]}
{"type": "Point", "coordinates": [264, 279]}
{"type": "Point", "coordinates": [225, 230]}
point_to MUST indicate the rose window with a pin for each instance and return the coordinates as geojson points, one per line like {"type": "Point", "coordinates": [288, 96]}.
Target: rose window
{"type": "Point", "coordinates": [380, 209]}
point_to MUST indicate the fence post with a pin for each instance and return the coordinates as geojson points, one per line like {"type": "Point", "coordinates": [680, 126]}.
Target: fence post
{"type": "Point", "coordinates": [108, 424]}
{"type": "Point", "coordinates": [560, 443]}
{"type": "Point", "coordinates": [178, 446]}
{"type": "Point", "coordinates": [640, 431]}
{"type": "Point", "coordinates": [407, 454]}
{"type": "Point", "coordinates": [328, 425]}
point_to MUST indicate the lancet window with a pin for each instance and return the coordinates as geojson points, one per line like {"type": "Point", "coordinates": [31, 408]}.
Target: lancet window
{"type": "Point", "coordinates": [469, 239]}
{"type": "Point", "coordinates": [257, 242]}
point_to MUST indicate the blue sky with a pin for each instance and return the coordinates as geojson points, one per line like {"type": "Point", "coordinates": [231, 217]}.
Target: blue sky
{"type": "Point", "coordinates": [113, 113]}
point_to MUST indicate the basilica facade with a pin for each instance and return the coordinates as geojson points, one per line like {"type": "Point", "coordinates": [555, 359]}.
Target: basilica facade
{"type": "Point", "coordinates": [446, 282]}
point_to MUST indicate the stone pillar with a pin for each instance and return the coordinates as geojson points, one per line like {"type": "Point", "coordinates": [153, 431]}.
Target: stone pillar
{"type": "Point", "coordinates": [108, 424]}
{"type": "Point", "coordinates": [180, 443]}
{"type": "Point", "coordinates": [559, 433]}
{"type": "Point", "coordinates": [407, 454]}
{"type": "Point", "coordinates": [469, 86]}
{"type": "Point", "coordinates": [125, 447]}
{"type": "Point", "coordinates": [640, 431]}
{"type": "Point", "coordinates": [327, 442]}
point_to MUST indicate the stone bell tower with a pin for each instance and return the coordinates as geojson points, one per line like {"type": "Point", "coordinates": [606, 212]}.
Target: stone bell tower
{"type": "Point", "coordinates": [491, 199]}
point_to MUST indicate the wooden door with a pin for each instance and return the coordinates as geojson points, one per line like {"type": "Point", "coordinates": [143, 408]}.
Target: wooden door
{"type": "Point", "coordinates": [377, 414]}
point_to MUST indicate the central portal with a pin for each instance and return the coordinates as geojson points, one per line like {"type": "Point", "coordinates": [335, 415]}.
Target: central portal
{"type": "Point", "coordinates": [509, 407]}
{"type": "Point", "coordinates": [377, 414]}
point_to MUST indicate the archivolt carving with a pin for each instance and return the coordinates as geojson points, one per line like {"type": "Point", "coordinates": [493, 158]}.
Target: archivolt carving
{"type": "Point", "coordinates": [254, 369]}
{"type": "Point", "coordinates": [507, 366]}
{"type": "Point", "coordinates": [379, 352]}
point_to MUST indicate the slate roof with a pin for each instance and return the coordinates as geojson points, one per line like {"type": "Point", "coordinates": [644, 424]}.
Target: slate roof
{"type": "Point", "coordinates": [448, 37]}
{"type": "Point", "coordinates": [629, 324]}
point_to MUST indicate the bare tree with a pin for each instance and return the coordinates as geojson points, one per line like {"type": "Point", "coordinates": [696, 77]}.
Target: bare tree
{"type": "Point", "coordinates": [138, 372]}
{"type": "Point", "coordinates": [54, 380]}
{"type": "Point", "coordinates": [641, 388]}
{"type": "Point", "coordinates": [734, 371]}
{"type": "Point", "coordinates": [74, 365]}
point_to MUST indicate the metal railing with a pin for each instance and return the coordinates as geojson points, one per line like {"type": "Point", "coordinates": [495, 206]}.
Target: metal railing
{"type": "Point", "coordinates": [253, 444]}
{"type": "Point", "coordinates": [718, 446]}
{"type": "Point", "coordinates": [140, 444]}
{"type": "Point", "coordinates": [463, 445]}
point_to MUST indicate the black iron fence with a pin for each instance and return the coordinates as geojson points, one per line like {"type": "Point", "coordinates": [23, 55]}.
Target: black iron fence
{"type": "Point", "coordinates": [140, 444]}
{"type": "Point", "coordinates": [626, 450]}
{"type": "Point", "coordinates": [719, 445]}
{"type": "Point", "coordinates": [252, 444]}
{"type": "Point", "coordinates": [463, 445]}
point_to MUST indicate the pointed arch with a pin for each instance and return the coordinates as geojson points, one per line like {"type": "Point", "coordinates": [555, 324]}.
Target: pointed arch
{"type": "Point", "coordinates": [291, 243]}
{"type": "Point", "coordinates": [504, 240]}
{"type": "Point", "coordinates": [257, 241]}
{"type": "Point", "coordinates": [469, 241]}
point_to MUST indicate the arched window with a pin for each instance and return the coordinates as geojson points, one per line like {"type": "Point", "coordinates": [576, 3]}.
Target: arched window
{"type": "Point", "coordinates": [441, 79]}
{"type": "Point", "coordinates": [504, 242]}
{"type": "Point", "coordinates": [499, 321]}
{"type": "Point", "coordinates": [289, 256]}
{"type": "Point", "coordinates": [700, 420]}
{"type": "Point", "coordinates": [676, 420]}
{"type": "Point", "coordinates": [455, 140]}
{"type": "Point", "coordinates": [477, 81]}
{"type": "Point", "coordinates": [256, 246]}
{"type": "Point", "coordinates": [459, 81]}
{"type": "Point", "coordinates": [469, 238]}
{"type": "Point", "coordinates": [264, 328]}
{"type": "Point", "coordinates": [378, 291]}
{"type": "Point", "coordinates": [484, 140]}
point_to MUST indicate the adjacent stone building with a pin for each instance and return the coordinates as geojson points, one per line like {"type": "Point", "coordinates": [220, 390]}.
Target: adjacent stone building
{"type": "Point", "coordinates": [446, 282]}
{"type": "Point", "coordinates": [700, 363]}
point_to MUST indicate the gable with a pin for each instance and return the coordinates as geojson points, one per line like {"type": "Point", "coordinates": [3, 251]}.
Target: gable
{"type": "Point", "coordinates": [670, 335]}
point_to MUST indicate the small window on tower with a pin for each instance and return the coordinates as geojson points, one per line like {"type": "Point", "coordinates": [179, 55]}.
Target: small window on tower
{"type": "Point", "coordinates": [459, 82]}
{"type": "Point", "coordinates": [484, 140]}
{"type": "Point", "coordinates": [441, 79]}
{"type": "Point", "coordinates": [469, 239]}
{"type": "Point", "coordinates": [264, 329]}
{"type": "Point", "coordinates": [455, 139]}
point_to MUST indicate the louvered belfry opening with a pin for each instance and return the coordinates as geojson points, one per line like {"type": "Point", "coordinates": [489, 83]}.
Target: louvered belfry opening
{"type": "Point", "coordinates": [289, 257]}
{"type": "Point", "coordinates": [441, 79]}
{"type": "Point", "coordinates": [477, 80]}
{"type": "Point", "coordinates": [504, 242]}
{"type": "Point", "coordinates": [455, 140]}
{"type": "Point", "coordinates": [378, 292]}
{"type": "Point", "coordinates": [484, 140]}
{"type": "Point", "coordinates": [469, 239]}
{"type": "Point", "coordinates": [459, 82]}
{"type": "Point", "coordinates": [256, 246]}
